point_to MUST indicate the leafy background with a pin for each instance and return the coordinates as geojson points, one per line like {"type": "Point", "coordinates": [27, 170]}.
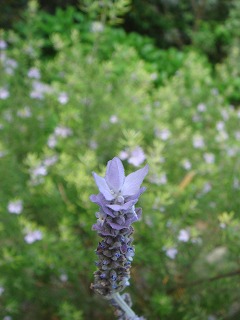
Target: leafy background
{"type": "Point", "coordinates": [149, 81]}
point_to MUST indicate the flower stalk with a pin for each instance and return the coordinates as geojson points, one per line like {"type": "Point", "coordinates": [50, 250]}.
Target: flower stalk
{"type": "Point", "coordinates": [116, 200]}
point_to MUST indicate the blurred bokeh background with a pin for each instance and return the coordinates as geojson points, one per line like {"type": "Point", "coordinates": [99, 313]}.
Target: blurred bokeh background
{"type": "Point", "coordinates": [150, 81]}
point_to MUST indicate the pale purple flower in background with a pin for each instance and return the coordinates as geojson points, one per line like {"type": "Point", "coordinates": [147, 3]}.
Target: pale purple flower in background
{"type": "Point", "coordinates": [15, 206]}
{"type": "Point", "coordinates": [10, 65]}
{"type": "Point", "coordinates": [33, 236]}
{"type": "Point", "coordinates": [159, 180]}
{"type": "Point", "coordinates": [24, 112]}
{"type": "Point", "coordinates": [211, 317]}
{"type": "Point", "coordinates": [231, 152]}
{"type": "Point", "coordinates": [201, 107]}
{"type": "Point", "coordinates": [39, 90]}
{"type": "Point", "coordinates": [238, 113]}
{"type": "Point", "coordinates": [236, 183]}
{"type": "Point", "coordinates": [154, 76]}
{"type": "Point", "coordinates": [198, 142]}
{"type": "Point", "coordinates": [93, 144]}
{"type": "Point", "coordinates": [162, 179]}
{"type": "Point", "coordinates": [64, 277]}
{"type": "Point", "coordinates": [163, 134]}
{"type": "Point", "coordinates": [3, 153]}
{"type": "Point", "coordinates": [184, 235]}
{"type": "Point", "coordinates": [7, 318]}
{"type": "Point", "coordinates": [63, 98]}
{"type": "Point", "coordinates": [41, 170]}
{"type": "Point", "coordinates": [220, 126]}
{"type": "Point", "coordinates": [34, 73]}
{"type": "Point", "coordinates": [123, 155]}
{"type": "Point", "coordinates": [237, 135]}
{"type": "Point", "coordinates": [207, 187]}
{"type": "Point", "coordinates": [4, 93]}
{"type": "Point", "coordinates": [196, 118]}
{"type": "Point", "coordinates": [225, 114]}
{"type": "Point", "coordinates": [62, 132]}
{"type": "Point", "coordinates": [209, 158]}
{"type": "Point", "coordinates": [222, 136]}
{"type": "Point", "coordinates": [50, 161]}
{"type": "Point", "coordinates": [1, 290]}
{"type": "Point", "coordinates": [215, 91]}
{"type": "Point", "coordinates": [113, 119]}
{"type": "Point", "coordinates": [186, 164]}
{"type": "Point", "coordinates": [171, 253]}
{"type": "Point", "coordinates": [137, 157]}
{"type": "Point", "coordinates": [52, 141]}
{"type": "Point", "coordinates": [3, 44]}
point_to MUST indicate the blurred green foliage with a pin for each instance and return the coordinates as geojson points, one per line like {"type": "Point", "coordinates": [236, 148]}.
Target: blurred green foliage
{"type": "Point", "coordinates": [74, 93]}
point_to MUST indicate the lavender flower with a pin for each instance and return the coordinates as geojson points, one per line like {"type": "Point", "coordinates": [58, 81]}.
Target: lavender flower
{"type": "Point", "coordinates": [116, 200]}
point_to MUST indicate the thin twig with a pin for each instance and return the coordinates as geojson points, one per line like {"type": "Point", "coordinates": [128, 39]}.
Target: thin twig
{"type": "Point", "coordinates": [199, 282]}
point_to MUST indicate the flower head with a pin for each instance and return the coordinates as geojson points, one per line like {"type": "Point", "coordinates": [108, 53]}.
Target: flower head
{"type": "Point", "coordinates": [115, 186]}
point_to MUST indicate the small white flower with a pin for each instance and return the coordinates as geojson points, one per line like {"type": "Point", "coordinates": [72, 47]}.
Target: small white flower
{"type": "Point", "coordinates": [63, 98]}
{"type": "Point", "coordinates": [237, 135]}
{"type": "Point", "coordinates": [222, 225]}
{"type": "Point", "coordinates": [198, 142]}
{"type": "Point", "coordinates": [154, 76]}
{"type": "Point", "coordinates": [222, 136]}
{"type": "Point", "coordinates": [186, 164]}
{"type": "Point", "coordinates": [97, 26]}
{"type": "Point", "coordinates": [15, 207]}
{"type": "Point", "coordinates": [64, 277]}
{"type": "Point", "coordinates": [209, 158]}
{"type": "Point", "coordinates": [236, 183]}
{"type": "Point", "coordinates": [33, 236]}
{"type": "Point", "coordinates": [201, 107]}
{"type": "Point", "coordinates": [4, 93]}
{"type": "Point", "coordinates": [34, 73]}
{"type": "Point", "coordinates": [184, 235]}
{"type": "Point", "coordinates": [113, 119]}
{"type": "Point", "coordinates": [24, 113]}
{"type": "Point", "coordinates": [171, 253]}
{"type": "Point", "coordinates": [214, 91]}
{"type": "Point", "coordinates": [1, 290]}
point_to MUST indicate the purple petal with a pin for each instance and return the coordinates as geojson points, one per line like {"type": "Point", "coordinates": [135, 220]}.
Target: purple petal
{"type": "Point", "coordinates": [125, 206]}
{"type": "Point", "coordinates": [133, 181]}
{"type": "Point", "coordinates": [136, 195]}
{"type": "Point", "coordinates": [103, 187]}
{"type": "Point", "coordinates": [101, 201]}
{"type": "Point", "coordinates": [116, 226]}
{"type": "Point", "coordinates": [115, 174]}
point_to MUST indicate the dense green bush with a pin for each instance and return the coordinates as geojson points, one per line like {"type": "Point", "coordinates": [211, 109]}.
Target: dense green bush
{"type": "Point", "coordinates": [64, 115]}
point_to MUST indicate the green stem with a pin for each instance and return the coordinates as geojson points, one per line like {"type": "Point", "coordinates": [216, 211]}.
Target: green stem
{"type": "Point", "coordinates": [122, 304]}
